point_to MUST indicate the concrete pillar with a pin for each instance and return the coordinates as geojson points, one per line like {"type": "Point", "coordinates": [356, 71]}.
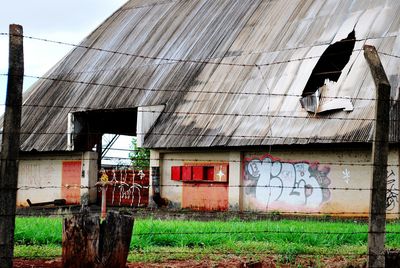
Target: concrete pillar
{"type": "Point", "coordinates": [154, 162]}
{"type": "Point", "coordinates": [235, 179]}
{"type": "Point", "coordinates": [89, 178]}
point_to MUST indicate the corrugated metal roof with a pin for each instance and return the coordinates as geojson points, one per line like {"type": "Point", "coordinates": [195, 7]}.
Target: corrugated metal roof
{"type": "Point", "coordinates": [239, 95]}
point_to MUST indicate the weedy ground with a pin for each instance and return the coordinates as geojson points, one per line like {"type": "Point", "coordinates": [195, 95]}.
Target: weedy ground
{"type": "Point", "coordinates": [156, 241]}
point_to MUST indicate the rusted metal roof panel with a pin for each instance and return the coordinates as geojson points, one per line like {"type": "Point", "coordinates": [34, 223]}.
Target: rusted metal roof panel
{"type": "Point", "coordinates": [229, 72]}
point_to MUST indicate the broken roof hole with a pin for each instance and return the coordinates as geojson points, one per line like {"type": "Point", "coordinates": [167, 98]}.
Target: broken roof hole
{"type": "Point", "coordinates": [324, 77]}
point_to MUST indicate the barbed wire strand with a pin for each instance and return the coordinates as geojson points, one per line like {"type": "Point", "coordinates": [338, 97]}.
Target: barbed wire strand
{"type": "Point", "coordinates": [201, 61]}
{"type": "Point", "coordinates": [244, 252]}
{"type": "Point", "coordinates": [187, 161]}
{"type": "Point", "coordinates": [134, 88]}
{"type": "Point", "coordinates": [69, 210]}
{"type": "Point", "coordinates": [193, 183]}
{"type": "Point", "coordinates": [198, 61]}
{"type": "Point", "coordinates": [314, 139]}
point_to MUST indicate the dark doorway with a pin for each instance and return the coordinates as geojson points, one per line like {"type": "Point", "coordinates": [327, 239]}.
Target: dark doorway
{"type": "Point", "coordinates": [89, 126]}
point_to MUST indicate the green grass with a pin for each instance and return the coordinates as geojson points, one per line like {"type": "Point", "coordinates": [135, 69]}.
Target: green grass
{"type": "Point", "coordinates": [41, 237]}
{"type": "Point", "coordinates": [47, 251]}
{"type": "Point", "coordinates": [38, 231]}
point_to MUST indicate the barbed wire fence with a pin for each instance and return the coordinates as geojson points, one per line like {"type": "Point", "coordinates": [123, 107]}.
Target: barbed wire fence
{"type": "Point", "coordinates": [66, 211]}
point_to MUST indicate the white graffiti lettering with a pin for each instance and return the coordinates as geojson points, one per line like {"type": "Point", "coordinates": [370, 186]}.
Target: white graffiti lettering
{"type": "Point", "coordinates": [346, 175]}
{"type": "Point", "coordinates": [125, 189]}
{"type": "Point", "coordinates": [271, 180]}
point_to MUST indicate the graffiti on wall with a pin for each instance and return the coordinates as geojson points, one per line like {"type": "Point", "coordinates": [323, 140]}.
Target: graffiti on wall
{"type": "Point", "coordinates": [392, 194]}
{"type": "Point", "coordinates": [130, 188]}
{"type": "Point", "coordinates": [346, 175]}
{"type": "Point", "coordinates": [126, 190]}
{"type": "Point", "coordinates": [274, 182]}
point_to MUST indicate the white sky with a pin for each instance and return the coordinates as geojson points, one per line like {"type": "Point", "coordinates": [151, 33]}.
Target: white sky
{"type": "Point", "coordinates": [61, 20]}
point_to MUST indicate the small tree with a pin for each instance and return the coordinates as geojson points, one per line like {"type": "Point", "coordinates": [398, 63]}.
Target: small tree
{"type": "Point", "coordinates": [140, 157]}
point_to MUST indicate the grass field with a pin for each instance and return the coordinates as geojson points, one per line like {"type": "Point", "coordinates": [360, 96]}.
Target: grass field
{"type": "Point", "coordinates": [156, 240]}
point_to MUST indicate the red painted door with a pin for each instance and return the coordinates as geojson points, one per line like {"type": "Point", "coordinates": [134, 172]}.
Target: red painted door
{"type": "Point", "coordinates": [205, 196]}
{"type": "Point", "coordinates": [71, 181]}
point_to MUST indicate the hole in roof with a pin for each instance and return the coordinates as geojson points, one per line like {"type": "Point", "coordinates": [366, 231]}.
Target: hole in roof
{"type": "Point", "coordinates": [324, 76]}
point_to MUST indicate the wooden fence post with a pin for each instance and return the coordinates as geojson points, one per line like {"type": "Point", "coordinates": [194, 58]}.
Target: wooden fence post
{"type": "Point", "coordinates": [10, 146]}
{"type": "Point", "coordinates": [88, 243]}
{"type": "Point", "coordinates": [380, 150]}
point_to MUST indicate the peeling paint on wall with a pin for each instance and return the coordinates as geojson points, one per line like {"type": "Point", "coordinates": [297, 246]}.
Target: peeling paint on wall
{"type": "Point", "coordinates": [272, 183]}
{"type": "Point", "coordinates": [44, 176]}
{"type": "Point", "coordinates": [205, 196]}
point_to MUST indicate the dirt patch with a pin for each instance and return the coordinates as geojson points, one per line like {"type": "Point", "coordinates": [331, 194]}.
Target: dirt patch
{"type": "Point", "coordinates": [22, 263]}
{"type": "Point", "coordinates": [268, 262]}
{"type": "Point", "coordinates": [231, 262]}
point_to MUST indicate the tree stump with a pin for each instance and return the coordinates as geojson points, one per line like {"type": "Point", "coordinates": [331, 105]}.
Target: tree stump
{"type": "Point", "coordinates": [88, 243]}
{"type": "Point", "coordinates": [80, 240]}
{"type": "Point", "coordinates": [115, 239]}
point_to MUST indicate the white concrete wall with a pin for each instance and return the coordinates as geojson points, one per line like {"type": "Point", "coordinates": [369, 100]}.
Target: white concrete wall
{"type": "Point", "coordinates": [334, 181]}
{"type": "Point", "coordinates": [235, 180]}
{"type": "Point", "coordinates": [40, 177]}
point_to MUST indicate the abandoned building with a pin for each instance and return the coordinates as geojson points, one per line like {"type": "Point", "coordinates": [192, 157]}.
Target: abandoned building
{"type": "Point", "coordinates": [246, 105]}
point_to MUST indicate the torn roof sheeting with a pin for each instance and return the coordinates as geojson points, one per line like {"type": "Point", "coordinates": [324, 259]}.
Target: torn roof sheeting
{"type": "Point", "coordinates": [229, 72]}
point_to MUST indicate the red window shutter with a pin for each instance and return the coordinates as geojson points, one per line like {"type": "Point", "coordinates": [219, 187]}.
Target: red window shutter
{"type": "Point", "coordinates": [198, 173]}
{"type": "Point", "coordinates": [186, 173]}
{"type": "Point", "coordinates": [209, 173]}
{"type": "Point", "coordinates": [176, 173]}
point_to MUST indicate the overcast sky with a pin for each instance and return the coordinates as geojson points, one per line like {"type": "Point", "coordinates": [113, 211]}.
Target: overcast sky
{"type": "Point", "coordinates": [61, 20]}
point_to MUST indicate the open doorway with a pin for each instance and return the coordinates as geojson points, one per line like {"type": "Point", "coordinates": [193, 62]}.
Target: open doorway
{"type": "Point", "coordinates": [88, 128]}
{"type": "Point", "coordinates": [110, 134]}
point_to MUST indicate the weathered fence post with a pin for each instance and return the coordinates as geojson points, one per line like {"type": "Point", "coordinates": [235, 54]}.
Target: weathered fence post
{"type": "Point", "coordinates": [10, 146]}
{"type": "Point", "coordinates": [377, 217]}
{"type": "Point", "coordinates": [88, 243]}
